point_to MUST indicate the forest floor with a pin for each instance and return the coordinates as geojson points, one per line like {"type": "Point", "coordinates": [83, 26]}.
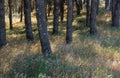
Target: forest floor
{"type": "Point", "coordinates": [87, 57]}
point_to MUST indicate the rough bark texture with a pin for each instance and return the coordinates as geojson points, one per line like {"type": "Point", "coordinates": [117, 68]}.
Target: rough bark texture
{"type": "Point", "coordinates": [93, 29]}
{"type": "Point", "coordinates": [56, 16]}
{"type": "Point", "coordinates": [2, 24]}
{"type": "Point", "coordinates": [42, 26]}
{"type": "Point", "coordinates": [27, 14]}
{"type": "Point", "coordinates": [69, 22]}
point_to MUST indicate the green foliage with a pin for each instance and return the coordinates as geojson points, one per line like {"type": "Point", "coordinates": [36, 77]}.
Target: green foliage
{"type": "Point", "coordinates": [31, 66]}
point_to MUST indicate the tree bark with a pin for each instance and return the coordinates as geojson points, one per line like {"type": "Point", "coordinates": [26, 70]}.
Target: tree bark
{"type": "Point", "coordinates": [21, 11]}
{"type": "Point", "coordinates": [115, 13]}
{"type": "Point", "coordinates": [62, 9]}
{"type": "Point", "coordinates": [10, 14]}
{"type": "Point", "coordinates": [42, 26]}
{"type": "Point", "coordinates": [2, 24]}
{"type": "Point", "coordinates": [88, 10]}
{"type": "Point", "coordinates": [49, 3]}
{"type": "Point", "coordinates": [56, 16]}
{"type": "Point", "coordinates": [78, 6]}
{"type": "Point", "coordinates": [69, 22]}
{"type": "Point", "coordinates": [27, 15]}
{"type": "Point", "coordinates": [98, 3]}
{"type": "Point", "coordinates": [93, 29]}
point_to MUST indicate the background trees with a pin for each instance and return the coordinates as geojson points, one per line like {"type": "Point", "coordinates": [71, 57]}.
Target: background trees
{"type": "Point", "coordinates": [56, 16]}
{"type": "Point", "coordinates": [59, 10]}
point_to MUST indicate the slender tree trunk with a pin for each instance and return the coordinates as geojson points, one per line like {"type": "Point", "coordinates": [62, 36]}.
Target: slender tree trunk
{"type": "Point", "coordinates": [49, 3]}
{"type": "Point", "coordinates": [42, 26]}
{"type": "Point", "coordinates": [115, 13]}
{"type": "Point", "coordinates": [98, 3]}
{"type": "Point", "coordinates": [21, 11]}
{"type": "Point", "coordinates": [93, 29]}
{"type": "Point", "coordinates": [56, 16]}
{"type": "Point", "coordinates": [62, 9]}
{"type": "Point", "coordinates": [78, 6]}
{"type": "Point", "coordinates": [32, 5]}
{"type": "Point", "coordinates": [2, 24]}
{"type": "Point", "coordinates": [69, 22]}
{"type": "Point", "coordinates": [10, 13]}
{"type": "Point", "coordinates": [88, 10]}
{"type": "Point", "coordinates": [27, 15]}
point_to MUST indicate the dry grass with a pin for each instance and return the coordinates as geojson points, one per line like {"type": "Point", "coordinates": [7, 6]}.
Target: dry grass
{"type": "Point", "coordinates": [87, 57]}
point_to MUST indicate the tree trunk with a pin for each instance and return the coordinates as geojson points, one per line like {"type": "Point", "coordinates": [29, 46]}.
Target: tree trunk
{"type": "Point", "coordinates": [10, 13]}
{"type": "Point", "coordinates": [21, 11]}
{"type": "Point", "coordinates": [42, 26]}
{"type": "Point", "coordinates": [88, 10]}
{"type": "Point", "coordinates": [98, 3]}
{"type": "Point", "coordinates": [93, 29]}
{"type": "Point", "coordinates": [62, 9]}
{"type": "Point", "coordinates": [69, 22]}
{"type": "Point", "coordinates": [27, 15]}
{"type": "Point", "coordinates": [56, 16]}
{"type": "Point", "coordinates": [32, 5]}
{"type": "Point", "coordinates": [78, 6]}
{"type": "Point", "coordinates": [2, 24]}
{"type": "Point", "coordinates": [49, 3]}
{"type": "Point", "coordinates": [115, 13]}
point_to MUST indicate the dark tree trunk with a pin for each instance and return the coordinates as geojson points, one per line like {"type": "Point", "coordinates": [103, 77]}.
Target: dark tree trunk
{"type": "Point", "coordinates": [78, 6]}
{"type": "Point", "coordinates": [2, 24]}
{"type": "Point", "coordinates": [42, 26]}
{"type": "Point", "coordinates": [10, 13]}
{"type": "Point", "coordinates": [115, 13]}
{"type": "Point", "coordinates": [69, 22]}
{"type": "Point", "coordinates": [88, 10]}
{"type": "Point", "coordinates": [56, 16]}
{"type": "Point", "coordinates": [32, 5]}
{"type": "Point", "coordinates": [27, 15]}
{"type": "Point", "coordinates": [62, 9]}
{"type": "Point", "coordinates": [98, 3]}
{"type": "Point", "coordinates": [49, 3]}
{"type": "Point", "coordinates": [21, 11]}
{"type": "Point", "coordinates": [93, 29]}
{"type": "Point", "coordinates": [84, 1]}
